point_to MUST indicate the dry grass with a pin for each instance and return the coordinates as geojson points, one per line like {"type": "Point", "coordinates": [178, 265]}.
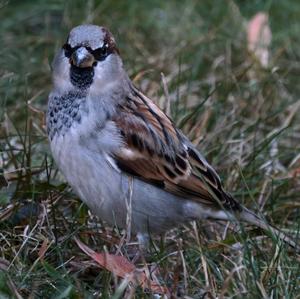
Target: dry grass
{"type": "Point", "coordinates": [243, 117]}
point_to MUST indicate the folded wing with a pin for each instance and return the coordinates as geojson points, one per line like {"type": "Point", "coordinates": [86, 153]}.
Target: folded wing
{"type": "Point", "coordinates": [156, 152]}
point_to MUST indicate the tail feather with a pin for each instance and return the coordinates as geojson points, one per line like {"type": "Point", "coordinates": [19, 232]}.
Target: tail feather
{"type": "Point", "coordinates": [250, 217]}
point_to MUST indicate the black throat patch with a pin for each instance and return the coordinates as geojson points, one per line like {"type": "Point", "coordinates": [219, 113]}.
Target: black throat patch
{"type": "Point", "coordinates": [81, 77]}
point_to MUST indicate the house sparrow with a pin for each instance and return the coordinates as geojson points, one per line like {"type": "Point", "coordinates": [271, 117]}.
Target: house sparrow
{"type": "Point", "coordinates": [120, 153]}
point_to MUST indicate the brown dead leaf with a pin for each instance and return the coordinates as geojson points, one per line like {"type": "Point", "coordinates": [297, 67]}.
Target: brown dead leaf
{"type": "Point", "coordinates": [123, 268]}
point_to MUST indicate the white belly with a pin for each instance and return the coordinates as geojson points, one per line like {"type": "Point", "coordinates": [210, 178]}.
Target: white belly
{"type": "Point", "coordinates": [115, 197]}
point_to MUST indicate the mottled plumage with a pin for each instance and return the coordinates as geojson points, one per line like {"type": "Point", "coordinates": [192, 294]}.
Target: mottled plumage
{"type": "Point", "coordinates": [121, 154]}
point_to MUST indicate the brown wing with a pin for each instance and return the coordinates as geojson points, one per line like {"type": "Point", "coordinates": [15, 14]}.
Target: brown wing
{"type": "Point", "coordinates": [156, 152]}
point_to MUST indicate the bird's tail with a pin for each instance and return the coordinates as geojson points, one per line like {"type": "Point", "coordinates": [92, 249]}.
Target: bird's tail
{"type": "Point", "coordinates": [250, 217]}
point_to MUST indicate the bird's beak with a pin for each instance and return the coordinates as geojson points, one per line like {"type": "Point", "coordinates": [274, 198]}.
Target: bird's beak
{"type": "Point", "coordinates": [82, 58]}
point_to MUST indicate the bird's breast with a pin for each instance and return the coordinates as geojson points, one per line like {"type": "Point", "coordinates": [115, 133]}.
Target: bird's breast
{"type": "Point", "coordinates": [84, 156]}
{"type": "Point", "coordinates": [114, 196]}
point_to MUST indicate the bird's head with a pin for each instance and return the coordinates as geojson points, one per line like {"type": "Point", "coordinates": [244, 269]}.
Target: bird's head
{"type": "Point", "coordinates": [88, 59]}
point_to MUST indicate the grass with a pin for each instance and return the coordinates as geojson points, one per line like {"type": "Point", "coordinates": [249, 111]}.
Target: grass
{"type": "Point", "coordinates": [247, 126]}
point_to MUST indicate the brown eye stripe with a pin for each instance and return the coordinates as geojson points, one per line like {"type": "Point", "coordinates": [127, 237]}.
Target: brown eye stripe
{"type": "Point", "coordinates": [110, 42]}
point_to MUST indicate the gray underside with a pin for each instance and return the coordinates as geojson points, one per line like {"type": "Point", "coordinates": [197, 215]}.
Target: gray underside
{"type": "Point", "coordinates": [120, 199]}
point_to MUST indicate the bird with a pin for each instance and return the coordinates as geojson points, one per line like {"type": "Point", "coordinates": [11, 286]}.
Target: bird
{"type": "Point", "coordinates": [121, 154]}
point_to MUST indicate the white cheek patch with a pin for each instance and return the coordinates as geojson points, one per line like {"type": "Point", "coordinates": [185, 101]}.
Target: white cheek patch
{"type": "Point", "coordinates": [99, 72]}
{"type": "Point", "coordinates": [107, 74]}
{"type": "Point", "coordinates": [61, 73]}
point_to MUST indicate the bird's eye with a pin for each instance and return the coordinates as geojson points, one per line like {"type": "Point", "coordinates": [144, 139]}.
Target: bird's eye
{"type": "Point", "coordinates": [68, 50]}
{"type": "Point", "coordinates": [101, 53]}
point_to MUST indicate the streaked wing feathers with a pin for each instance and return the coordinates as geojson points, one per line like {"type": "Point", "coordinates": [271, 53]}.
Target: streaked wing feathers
{"type": "Point", "coordinates": [158, 153]}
